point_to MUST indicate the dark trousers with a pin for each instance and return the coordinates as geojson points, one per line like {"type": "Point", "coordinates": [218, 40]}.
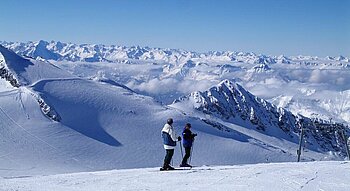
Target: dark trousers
{"type": "Point", "coordinates": [187, 155]}
{"type": "Point", "coordinates": [168, 157]}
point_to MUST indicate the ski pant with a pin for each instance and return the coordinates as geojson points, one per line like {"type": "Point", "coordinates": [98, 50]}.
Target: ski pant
{"type": "Point", "coordinates": [187, 155]}
{"type": "Point", "coordinates": [168, 157]}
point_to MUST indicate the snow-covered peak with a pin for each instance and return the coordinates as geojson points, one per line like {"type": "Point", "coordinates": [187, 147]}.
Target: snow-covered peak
{"type": "Point", "coordinates": [230, 102]}
{"type": "Point", "coordinates": [260, 68]}
{"type": "Point", "coordinates": [342, 58]}
{"type": "Point", "coordinates": [282, 59]}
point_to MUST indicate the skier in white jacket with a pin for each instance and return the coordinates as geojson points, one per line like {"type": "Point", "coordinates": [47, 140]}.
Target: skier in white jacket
{"type": "Point", "coordinates": [169, 140]}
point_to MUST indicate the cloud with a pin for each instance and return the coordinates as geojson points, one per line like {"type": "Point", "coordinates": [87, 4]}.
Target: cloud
{"type": "Point", "coordinates": [316, 76]}
{"type": "Point", "coordinates": [171, 85]}
{"type": "Point", "coordinates": [156, 86]}
{"type": "Point", "coordinates": [188, 86]}
{"type": "Point", "coordinates": [299, 75]}
{"type": "Point", "coordinates": [335, 78]}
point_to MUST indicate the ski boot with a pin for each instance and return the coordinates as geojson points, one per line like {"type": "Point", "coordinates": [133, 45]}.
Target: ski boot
{"type": "Point", "coordinates": [185, 165]}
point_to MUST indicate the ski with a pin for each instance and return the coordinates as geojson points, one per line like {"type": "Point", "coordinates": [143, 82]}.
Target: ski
{"type": "Point", "coordinates": [176, 169]}
{"type": "Point", "coordinates": [180, 168]}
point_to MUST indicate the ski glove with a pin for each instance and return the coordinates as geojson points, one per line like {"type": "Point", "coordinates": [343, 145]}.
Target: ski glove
{"type": "Point", "coordinates": [179, 138]}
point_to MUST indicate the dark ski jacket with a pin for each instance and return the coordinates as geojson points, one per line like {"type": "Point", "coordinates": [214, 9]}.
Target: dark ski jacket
{"type": "Point", "coordinates": [188, 137]}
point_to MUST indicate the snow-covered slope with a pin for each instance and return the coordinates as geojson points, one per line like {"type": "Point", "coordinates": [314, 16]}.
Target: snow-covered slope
{"type": "Point", "coordinates": [283, 176]}
{"type": "Point", "coordinates": [104, 125]}
{"type": "Point", "coordinates": [53, 121]}
{"type": "Point", "coordinates": [99, 128]}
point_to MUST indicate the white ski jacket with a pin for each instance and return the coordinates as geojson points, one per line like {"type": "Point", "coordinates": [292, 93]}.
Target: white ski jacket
{"type": "Point", "coordinates": [170, 130]}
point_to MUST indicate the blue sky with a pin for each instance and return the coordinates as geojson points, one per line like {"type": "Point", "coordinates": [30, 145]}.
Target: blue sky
{"type": "Point", "coordinates": [290, 27]}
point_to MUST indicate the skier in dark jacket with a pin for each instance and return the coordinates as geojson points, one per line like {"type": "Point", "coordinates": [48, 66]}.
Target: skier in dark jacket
{"type": "Point", "coordinates": [188, 138]}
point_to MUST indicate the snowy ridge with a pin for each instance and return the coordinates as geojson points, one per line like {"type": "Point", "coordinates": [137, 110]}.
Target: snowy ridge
{"type": "Point", "coordinates": [232, 103]}
{"type": "Point", "coordinates": [9, 68]}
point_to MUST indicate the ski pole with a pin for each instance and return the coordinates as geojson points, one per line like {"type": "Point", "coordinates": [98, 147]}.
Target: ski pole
{"type": "Point", "coordinates": [191, 152]}
{"type": "Point", "coordinates": [181, 150]}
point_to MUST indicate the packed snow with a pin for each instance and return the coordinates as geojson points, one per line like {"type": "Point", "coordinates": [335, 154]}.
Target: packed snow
{"type": "Point", "coordinates": [283, 176]}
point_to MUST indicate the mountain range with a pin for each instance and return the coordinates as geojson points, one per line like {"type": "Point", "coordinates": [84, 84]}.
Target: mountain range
{"type": "Point", "coordinates": [312, 86]}
{"type": "Point", "coordinates": [60, 51]}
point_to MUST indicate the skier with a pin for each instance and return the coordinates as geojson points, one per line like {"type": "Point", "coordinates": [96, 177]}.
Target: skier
{"type": "Point", "coordinates": [169, 140]}
{"type": "Point", "coordinates": [188, 138]}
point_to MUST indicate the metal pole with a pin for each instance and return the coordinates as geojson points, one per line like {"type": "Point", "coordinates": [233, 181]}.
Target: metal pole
{"type": "Point", "coordinates": [300, 141]}
{"type": "Point", "coordinates": [191, 152]}
{"type": "Point", "coordinates": [346, 144]}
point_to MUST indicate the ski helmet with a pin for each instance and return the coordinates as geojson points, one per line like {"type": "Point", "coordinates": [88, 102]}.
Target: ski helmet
{"type": "Point", "coordinates": [170, 121]}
